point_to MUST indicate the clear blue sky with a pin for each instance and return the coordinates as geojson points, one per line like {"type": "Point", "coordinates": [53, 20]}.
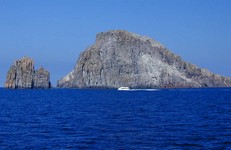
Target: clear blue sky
{"type": "Point", "coordinates": [54, 32]}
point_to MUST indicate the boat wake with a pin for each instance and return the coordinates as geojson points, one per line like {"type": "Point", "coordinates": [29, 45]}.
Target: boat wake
{"type": "Point", "coordinates": [128, 89]}
{"type": "Point", "coordinates": [144, 89]}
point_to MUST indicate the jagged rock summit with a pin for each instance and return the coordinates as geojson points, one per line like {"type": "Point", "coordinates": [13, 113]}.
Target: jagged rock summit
{"type": "Point", "coordinates": [23, 75]}
{"type": "Point", "coordinates": [120, 58]}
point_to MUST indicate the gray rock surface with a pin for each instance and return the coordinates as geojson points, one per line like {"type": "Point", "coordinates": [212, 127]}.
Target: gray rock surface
{"type": "Point", "coordinates": [23, 75]}
{"type": "Point", "coordinates": [41, 78]}
{"type": "Point", "coordinates": [120, 58]}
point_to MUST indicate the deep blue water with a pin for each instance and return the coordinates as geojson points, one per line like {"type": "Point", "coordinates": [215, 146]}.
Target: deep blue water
{"type": "Point", "coordinates": [111, 119]}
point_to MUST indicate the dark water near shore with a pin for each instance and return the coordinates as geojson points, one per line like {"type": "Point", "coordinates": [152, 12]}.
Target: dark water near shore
{"type": "Point", "coordinates": [111, 119]}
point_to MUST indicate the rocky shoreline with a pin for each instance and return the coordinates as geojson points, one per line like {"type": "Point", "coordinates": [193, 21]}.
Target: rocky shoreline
{"type": "Point", "coordinates": [119, 58]}
{"type": "Point", "coordinates": [22, 75]}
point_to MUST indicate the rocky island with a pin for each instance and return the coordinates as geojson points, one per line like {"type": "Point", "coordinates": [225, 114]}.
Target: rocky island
{"type": "Point", "coordinates": [23, 75]}
{"type": "Point", "coordinates": [120, 58]}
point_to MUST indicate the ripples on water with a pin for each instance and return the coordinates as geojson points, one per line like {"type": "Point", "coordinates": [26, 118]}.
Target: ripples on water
{"type": "Point", "coordinates": [111, 119]}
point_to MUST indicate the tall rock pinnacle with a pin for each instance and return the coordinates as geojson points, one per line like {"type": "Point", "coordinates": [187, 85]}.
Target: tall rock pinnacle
{"type": "Point", "coordinates": [23, 75]}
{"type": "Point", "coordinates": [120, 58]}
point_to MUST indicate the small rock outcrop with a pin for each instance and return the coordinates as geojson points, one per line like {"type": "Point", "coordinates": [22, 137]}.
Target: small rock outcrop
{"type": "Point", "coordinates": [23, 75]}
{"type": "Point", "coordinates": [41, 78]}
{"type": "Point", "coordinates": [120, 58]}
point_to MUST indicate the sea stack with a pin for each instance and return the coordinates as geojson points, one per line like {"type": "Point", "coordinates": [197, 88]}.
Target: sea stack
{"type": "Point", "coordinates": [23, 75]}
{"type": "Point", "coordinates": [120, 58]}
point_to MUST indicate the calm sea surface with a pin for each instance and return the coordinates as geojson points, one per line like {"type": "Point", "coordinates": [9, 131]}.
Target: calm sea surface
{"type": "Point", "coordinates": [111, 119]}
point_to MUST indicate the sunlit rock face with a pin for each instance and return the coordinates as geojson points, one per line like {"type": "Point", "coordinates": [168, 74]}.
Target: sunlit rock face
{"type": "Point", "coordinates": [120, 58]}
{"type": "Point", "coordinates": [23, 75]}
{"type": "Point", "coordinates": [41, 78]}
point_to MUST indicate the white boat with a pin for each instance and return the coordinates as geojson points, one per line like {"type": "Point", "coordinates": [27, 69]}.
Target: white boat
{"type": "Point", "coordinates": [123, 88]}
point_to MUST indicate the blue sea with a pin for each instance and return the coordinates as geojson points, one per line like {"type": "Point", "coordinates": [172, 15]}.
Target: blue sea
{"type": "Point", "coordinates": [111, 119]}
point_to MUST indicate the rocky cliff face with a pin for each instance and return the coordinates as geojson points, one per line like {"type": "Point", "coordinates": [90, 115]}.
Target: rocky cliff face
{"type": "Point", "coordinates": [120, 58]}
{"type": "Point", "coordinates": [23, 75]}
{"type": "Point", "coordinates": [41, 78]}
